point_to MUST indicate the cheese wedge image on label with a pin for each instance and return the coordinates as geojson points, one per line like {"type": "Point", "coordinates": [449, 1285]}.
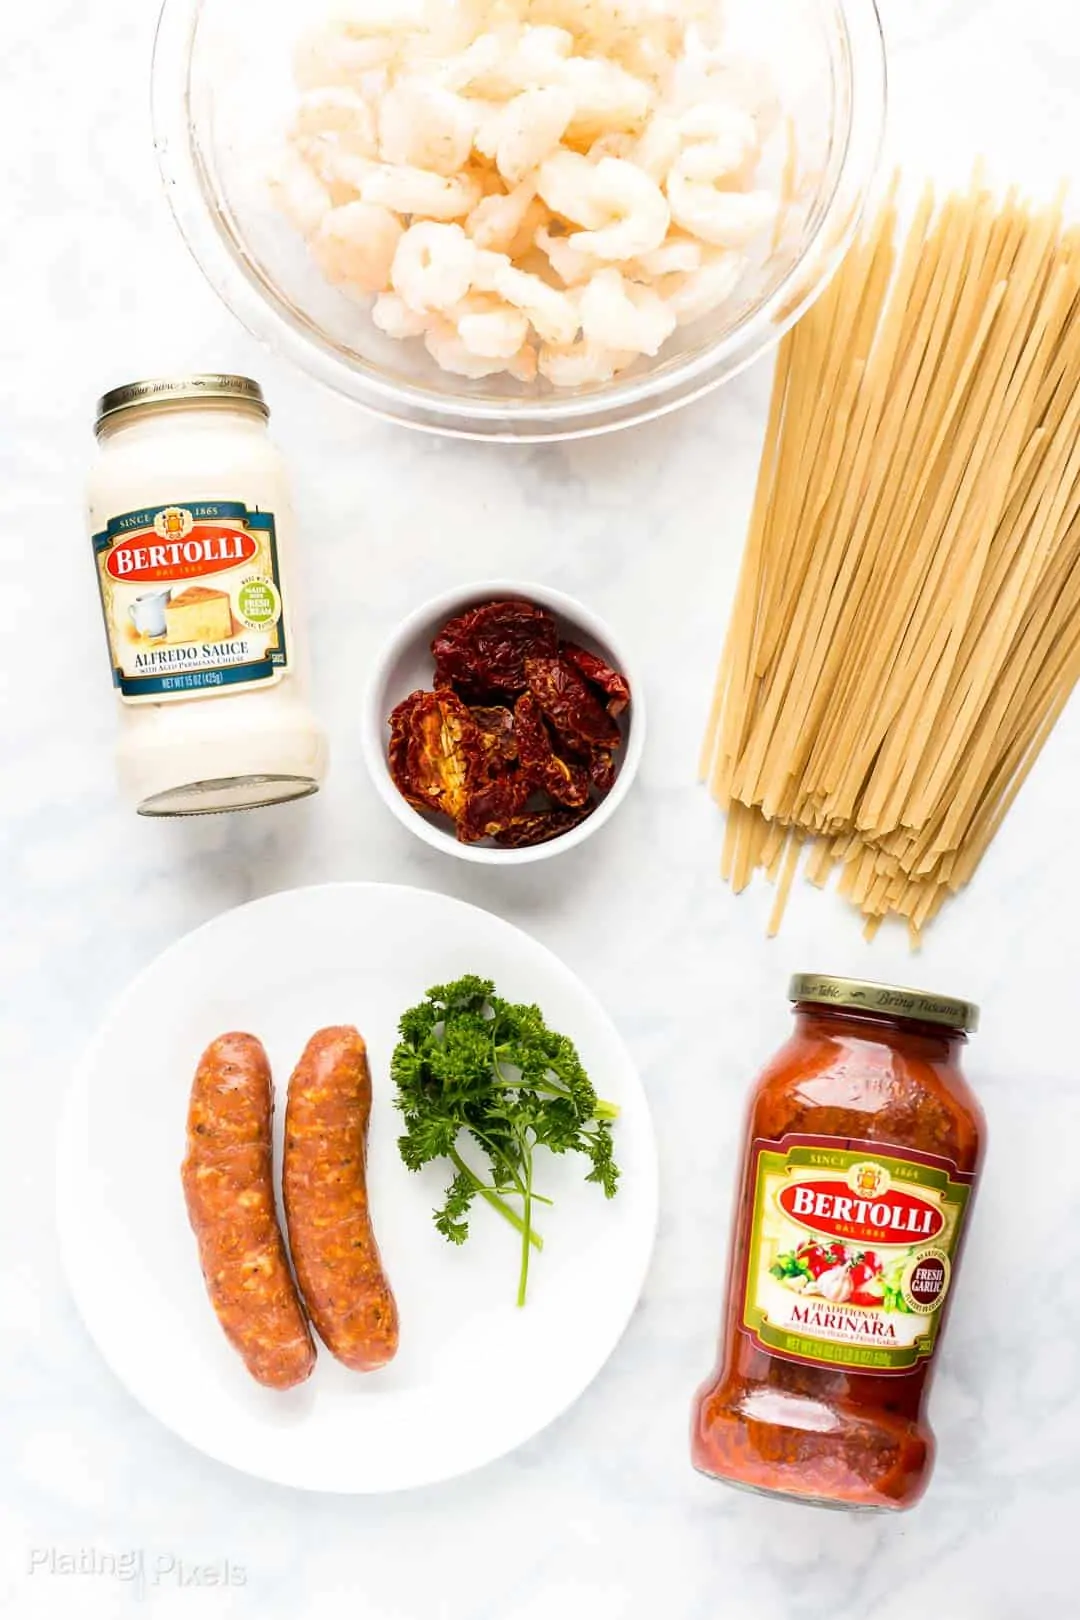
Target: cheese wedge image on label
{"type": "Point", "coordinates": [199, 614]}
{"type": "Point", "coordinates": [193, 600]}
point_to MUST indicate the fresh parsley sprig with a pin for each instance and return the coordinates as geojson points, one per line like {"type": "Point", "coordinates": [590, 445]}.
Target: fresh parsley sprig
{"type": "Point", "coordinates": [471, 1067]}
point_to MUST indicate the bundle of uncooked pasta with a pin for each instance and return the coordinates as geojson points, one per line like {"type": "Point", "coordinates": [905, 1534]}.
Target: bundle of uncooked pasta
{"type": "Point", "coordinates": [907, 625]}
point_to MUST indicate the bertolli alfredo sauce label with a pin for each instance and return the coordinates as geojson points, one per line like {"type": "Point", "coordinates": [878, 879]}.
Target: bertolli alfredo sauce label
{"type": "Point", "coordinates": [191, 594]}
{"type": "Point", "coordinates": [851, 1251]}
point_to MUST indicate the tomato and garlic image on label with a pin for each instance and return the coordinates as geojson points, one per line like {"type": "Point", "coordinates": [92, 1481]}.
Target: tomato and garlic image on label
{"type": "Point", "coordinates": [192, 599]}
{"type": "Point", "coordinates": [850, 1255]}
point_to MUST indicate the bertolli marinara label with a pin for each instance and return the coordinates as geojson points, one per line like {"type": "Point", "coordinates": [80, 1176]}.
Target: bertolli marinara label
{"type": "Point", "coordinates": [191, 594]}
{"type": "Point", "coordinates": [851, 1251]}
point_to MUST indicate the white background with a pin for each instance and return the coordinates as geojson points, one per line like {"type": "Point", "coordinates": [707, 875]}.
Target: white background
{"type": "Point", "coordinates": [602, 1516]}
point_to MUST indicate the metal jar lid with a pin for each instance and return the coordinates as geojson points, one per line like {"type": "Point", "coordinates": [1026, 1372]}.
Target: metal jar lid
{"type": "Point", "coordinates": [864, 995]}
{"type": "Point", "coordinates": [170, 390]}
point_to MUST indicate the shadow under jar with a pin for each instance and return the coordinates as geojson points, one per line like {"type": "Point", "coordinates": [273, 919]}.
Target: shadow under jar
{"type": "Point", "coordinates": [863, 1145]}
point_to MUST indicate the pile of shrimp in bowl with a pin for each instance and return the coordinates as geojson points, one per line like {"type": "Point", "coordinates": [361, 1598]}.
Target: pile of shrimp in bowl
{"type": "Point", "coordinates": [531, 187]}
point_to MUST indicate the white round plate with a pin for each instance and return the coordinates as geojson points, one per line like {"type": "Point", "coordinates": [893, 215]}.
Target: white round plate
{"type": "Point", "coordinates": [475, 1376]}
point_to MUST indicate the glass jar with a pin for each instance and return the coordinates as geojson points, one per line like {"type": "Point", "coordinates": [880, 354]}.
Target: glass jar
{"type": "Point", "coordinates": [192, 530]}
{"type": "Point", "coordinates": [863, 1144]}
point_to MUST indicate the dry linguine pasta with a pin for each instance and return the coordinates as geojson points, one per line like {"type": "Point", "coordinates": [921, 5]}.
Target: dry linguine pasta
{"type": "Point", "coordinates": [907, 623]}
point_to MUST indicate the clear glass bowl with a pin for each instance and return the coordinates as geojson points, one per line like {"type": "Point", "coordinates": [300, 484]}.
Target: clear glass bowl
{"type": "Point", "coordinates": [222, 93]}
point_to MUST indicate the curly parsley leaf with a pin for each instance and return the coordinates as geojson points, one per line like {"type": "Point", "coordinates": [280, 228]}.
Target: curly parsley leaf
{"type": "Point", "coordinates": [451, 1219]}
{"type": "Point", "coordinates": [476, 1071]}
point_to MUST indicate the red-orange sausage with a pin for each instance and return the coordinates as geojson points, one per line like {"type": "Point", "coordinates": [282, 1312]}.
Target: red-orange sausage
{"type": "Point", "coordinates": [326, 1203]}
{"type": "Point", "coordinates": [228, 1184]}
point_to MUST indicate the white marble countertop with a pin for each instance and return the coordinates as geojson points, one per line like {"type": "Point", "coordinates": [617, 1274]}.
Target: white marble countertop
{"type": "Point", "coordinates": [601, 1516]}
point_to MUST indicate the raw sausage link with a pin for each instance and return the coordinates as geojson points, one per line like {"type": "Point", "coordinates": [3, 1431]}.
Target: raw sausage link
{"type": "Point", "coordinates": [326, 1203]}
{"type": "Point", "coordinates": [228, 1184]}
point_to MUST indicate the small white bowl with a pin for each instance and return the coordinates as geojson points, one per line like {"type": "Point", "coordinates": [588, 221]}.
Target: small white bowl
{"type": "Point", "coordinates": [405, 665]}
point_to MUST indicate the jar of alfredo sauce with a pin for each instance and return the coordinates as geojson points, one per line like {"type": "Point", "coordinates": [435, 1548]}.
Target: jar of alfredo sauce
{"type": "Point", "coordinates": [192, 532]}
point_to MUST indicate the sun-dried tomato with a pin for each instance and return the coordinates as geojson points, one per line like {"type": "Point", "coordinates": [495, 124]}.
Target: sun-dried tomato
{"type": "Point", "coordinates": [603, 771]}
{"type": "Point", "coordinates": [435, 745]}
{"type": "Point", "coordinates": [493, 806]}
{"type": "Point", "coordinates": [517, 741]}
{"type": "Point", "coordinates": [497, 732]}
{"type": "Point", "coordinates": [566, 783]}
{"type": "Point", "coordinates": [572, 707]}
{"type": "Point", "coordinates": [484, 650]}
{"type": "Point", "coordinates": [538, 826]}
{"type": "Point", "coordinates": [615, 686]}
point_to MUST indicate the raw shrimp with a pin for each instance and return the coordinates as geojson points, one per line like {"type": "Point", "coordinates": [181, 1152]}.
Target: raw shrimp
{"type": "Point", "coordinates": [531, 126]}
{"type": "Point", "coordinates": [551, 311]}
{"type": "Point", "coordinates": [606, 97]}
{"type": "Point", "coordinates": [636, 210]}
{"type": "Point", "coordinates": [701, 291]}
{"type": "Point", "coordinates": [392, 315]}
{"type": "Point", "coordinates": [618, 144]}
{"type": "Point", "coordinates": [748, 86]}
{"type": "Point", "coordinates": [488, 179]}
{"type": "Point", "coordinates": [677, 253]}
{"type": "Point", "coordinates": [418, 191]}
{"type": "Point", "coordinates": [658, 147]}
{"type": "Point", "coordinates": [727, 219]}
{"type": "Point", "coordinates": [569, 264]}
{"type": "Point", "coordinates": [523, 364]}
{"type": "Point", "coordinates": [620, 314]}
{"type": "Point", "coordinates": [536, 61]}
{"type": "Point", "coordinates": [488, 266]}
{"type": "Point", "coordinates": [298, 192]}
{"type": "Point", "coordinates": [565, 181]}
{"type": "Point", "coordinates": [645, 55]}
{"type": "Point", "coordinates": [704, 37]}
{"type": "Point", "coordinates": [540, 50]}
{"type": "Point", "coordinates": [501, 65]}
{"type": "Point", "coordinates": [488, 126]}
{"type": "Point", "coordinates": [469, 69]}
{"type": "Point", "coordinates": [326, 56]}
{"type": "Point", "coordinates": [360, 19]}
{"type": "Point", "coordinates": [569, 15]}
{"type": "Point", "coordinates": [445, 346]}
{"type": "Point", "coordinates": [489, 328]}
{"type": "Point", "coordinates": [426, 126]}
{"type": "Point", "coordinates": [433, 266]}
{"type": "Point", "coordinates": [507, 221]}
{"type": "Point", "coordinates": [688, 83]}
{"type": "Point", "coordinates": [730, 142]}
{"type": "Point", "coordinates": [356, 244]}
{"type": "Point", "coordinates": [337, 110]}
{"type": "Point", "coordinates": [341, 171]}
{"type": "Point", "coordinates": [576, 365]}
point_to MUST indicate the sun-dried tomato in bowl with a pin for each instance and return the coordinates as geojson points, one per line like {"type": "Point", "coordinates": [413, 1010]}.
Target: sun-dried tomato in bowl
{"type": "Point", "coordinates": [520, 739]}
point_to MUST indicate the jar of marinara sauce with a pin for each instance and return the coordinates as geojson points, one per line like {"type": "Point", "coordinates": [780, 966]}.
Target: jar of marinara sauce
{"type": "Point", "coordinates": [863, 1145]}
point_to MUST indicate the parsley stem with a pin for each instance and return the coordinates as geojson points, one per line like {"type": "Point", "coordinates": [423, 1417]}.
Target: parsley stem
{"type": "Point", "coordinates": [502, 1192]}
{"type": "Point", "coordinates": [496, 1202]}
{"type": "Point", "coordinates": [497, 1153]}
{"type": "Point", "coordinates": [523, 1279]}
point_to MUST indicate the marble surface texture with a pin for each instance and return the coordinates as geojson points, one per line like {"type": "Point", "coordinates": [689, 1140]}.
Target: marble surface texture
{"type": "Point", "coordinates": [601, 1516]}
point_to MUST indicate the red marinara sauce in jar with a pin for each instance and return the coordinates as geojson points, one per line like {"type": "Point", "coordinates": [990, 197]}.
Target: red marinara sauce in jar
{"type": "Point", "coordinates": [863, 1146]}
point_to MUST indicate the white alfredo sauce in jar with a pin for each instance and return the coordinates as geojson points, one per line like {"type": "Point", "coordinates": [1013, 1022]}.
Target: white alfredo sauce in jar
{"type": "Point", "coordinates": [192, 529]}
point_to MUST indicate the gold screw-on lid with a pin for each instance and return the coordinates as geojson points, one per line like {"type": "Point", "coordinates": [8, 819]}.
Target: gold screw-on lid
{"type": "Point", "coordinates": [864, 995]}
{"type": "Point", "coordinates": [170, 390]}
